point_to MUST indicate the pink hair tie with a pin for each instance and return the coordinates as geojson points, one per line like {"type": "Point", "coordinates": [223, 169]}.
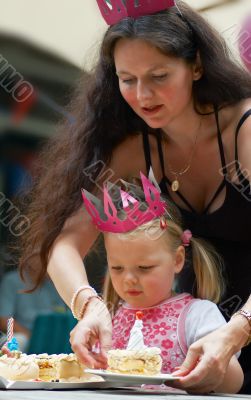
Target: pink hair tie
{"type": "Point", "coordinates": [163, 223]}
{"type": "Point", "coordinates": [186, 237]}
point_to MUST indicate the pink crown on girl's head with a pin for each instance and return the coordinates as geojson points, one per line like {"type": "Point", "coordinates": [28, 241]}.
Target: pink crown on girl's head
{"type": "Point", "coordinates": [119, 9]}
{"type": "Point", "coordinates": [105, 216]}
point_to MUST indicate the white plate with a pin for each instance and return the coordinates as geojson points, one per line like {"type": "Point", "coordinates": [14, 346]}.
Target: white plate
{"type": "Point", "coordinates": [132, 379]}
{"type": "Point", "coordinates": [39, 385]}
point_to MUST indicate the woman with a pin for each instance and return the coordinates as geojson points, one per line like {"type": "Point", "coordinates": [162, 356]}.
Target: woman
{"type": "Point", "coordinates": [164, 93]}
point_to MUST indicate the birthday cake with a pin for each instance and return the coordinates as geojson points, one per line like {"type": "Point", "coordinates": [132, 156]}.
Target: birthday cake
{"type": "Point", "coordinates": [18, 369]}
{"type": "Point", "coordinates": [16, 366]}
{"type": "Point", "coordinates": [44, 367]}
{"type": "Point", "coordinates": [137, 358]}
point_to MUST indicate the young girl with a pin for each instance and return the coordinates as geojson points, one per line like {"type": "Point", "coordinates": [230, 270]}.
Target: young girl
{"type": "Point", "coordinates": [146, 248]}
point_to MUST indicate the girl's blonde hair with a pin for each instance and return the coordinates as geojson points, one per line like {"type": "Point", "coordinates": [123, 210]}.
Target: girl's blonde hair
{"type": "Point", "coordinates": [207, 264]}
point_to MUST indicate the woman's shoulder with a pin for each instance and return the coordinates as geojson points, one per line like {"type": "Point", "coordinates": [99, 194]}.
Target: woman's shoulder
{"type": "Point", "coordinates": [234, 125]}
{"type": "Point", "coordinates": [242, 125]}
{"type": "Point", "coordinates": [235, 113]}
{"type": "Point", "coordinates": [242, 107]}
{"type": "Point", "coordinates": [128, 158]}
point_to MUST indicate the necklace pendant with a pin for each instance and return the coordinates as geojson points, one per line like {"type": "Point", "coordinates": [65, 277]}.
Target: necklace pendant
{"type": "Point", "coordinates": [175, 185]}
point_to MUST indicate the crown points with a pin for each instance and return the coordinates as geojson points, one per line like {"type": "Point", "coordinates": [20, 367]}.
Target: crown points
{"type": "Point", "coordinates": [105, 217]}
{"type": "Point", "coordinates": [127, 199]}
{"type": "Point", "coordinates": [109, 207]}
{"type": "Point", "coordinates": [115, 10]}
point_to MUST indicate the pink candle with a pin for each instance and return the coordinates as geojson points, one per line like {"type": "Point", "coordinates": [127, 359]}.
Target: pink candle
{"type": "Point", "coordinates": [10, 326]}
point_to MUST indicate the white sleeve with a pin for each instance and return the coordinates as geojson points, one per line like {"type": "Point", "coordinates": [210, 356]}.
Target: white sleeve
{"type": "Point", "coordinates": [202, 318]}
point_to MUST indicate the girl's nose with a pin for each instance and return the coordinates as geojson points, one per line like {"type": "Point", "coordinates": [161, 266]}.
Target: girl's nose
{"type": "Point", "coordinates": [130, 278]}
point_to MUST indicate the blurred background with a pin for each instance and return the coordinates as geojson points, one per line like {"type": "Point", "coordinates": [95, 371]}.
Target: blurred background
{"type": "Point", "coordinates": [44, 46]}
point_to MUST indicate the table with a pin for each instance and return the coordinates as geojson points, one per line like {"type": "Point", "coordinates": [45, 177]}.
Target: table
{"type": "Point", "coordinates": [108, 394]}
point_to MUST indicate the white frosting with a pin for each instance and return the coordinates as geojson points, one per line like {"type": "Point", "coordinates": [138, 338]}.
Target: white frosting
{"type": "Point", "coordinates": [134, 353]}
{"type": "Point", "coordinates": [18, 369]}
{"type": "Point", "coordinates": [136, 339]}
{"type": "Point", "coordinates": [65, 367]}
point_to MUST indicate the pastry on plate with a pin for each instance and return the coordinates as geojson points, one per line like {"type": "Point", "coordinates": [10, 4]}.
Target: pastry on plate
{"type": "Point", "coordinates": [147, 361]}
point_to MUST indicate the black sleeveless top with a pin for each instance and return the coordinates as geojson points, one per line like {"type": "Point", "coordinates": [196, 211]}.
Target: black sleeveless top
{"type": "Point", "coordinates": [228, 229]}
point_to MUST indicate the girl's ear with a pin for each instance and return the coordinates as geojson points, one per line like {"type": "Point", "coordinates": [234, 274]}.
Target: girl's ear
{"type": "Point", "coordinates": [197, 68]}
{"type": "Point", "coordinates": [179, 259]}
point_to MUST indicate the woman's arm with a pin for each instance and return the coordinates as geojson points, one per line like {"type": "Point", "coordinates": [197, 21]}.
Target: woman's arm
{"type": "Point", "coordinates": [233, 379]}
{"type": "Point", "coordinates": [78, 234]}
{"type": "Point", "coordinates": [65, 266]}
{"type": "Point", "coordinates": [208, 359]}
{"type": "Point", "coordinates": [241, 326]}
{"type": "Point", "coordinates": [67, 272]}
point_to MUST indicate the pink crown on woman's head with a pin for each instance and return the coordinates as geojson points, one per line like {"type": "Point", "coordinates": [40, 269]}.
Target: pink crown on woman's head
{"type": "Point", "coordinates": [115, 10]}
{"type": "Point", "coordinates": [105, 216]}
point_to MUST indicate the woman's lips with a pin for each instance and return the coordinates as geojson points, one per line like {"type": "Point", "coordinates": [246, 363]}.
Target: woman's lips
{"type": "Point", "coordinates": [152, 110]}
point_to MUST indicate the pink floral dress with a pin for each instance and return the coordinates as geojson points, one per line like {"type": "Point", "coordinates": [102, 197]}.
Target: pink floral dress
{"type": "Point", "coordinates": [163, 327]}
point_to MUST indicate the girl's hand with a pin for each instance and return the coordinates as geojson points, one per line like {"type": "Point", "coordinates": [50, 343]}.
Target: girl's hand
{"type": "Point", "coordinates": [207, 360]}
{"type": "Point", "coordinates": [94, 329]}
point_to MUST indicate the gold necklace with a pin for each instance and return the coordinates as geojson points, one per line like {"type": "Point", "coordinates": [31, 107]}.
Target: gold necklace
{"type": "Point", "coordinates": [175, 183]}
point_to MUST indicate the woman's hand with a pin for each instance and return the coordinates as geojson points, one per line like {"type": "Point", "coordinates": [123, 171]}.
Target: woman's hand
{"type": "Point", "coordinates": [94, 329]}
{"type": "Point", "coordinates": [207, 359]}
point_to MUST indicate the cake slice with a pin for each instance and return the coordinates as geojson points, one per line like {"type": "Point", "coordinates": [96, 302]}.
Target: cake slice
{"type": "Point", "coordinates": [68, 366]}
{"type": "Point", "coordinates": [62, 367]}
{"type": "Point", "coordinates": [47, 367]}
{"type": "Point", "coordinates": [147, 361]}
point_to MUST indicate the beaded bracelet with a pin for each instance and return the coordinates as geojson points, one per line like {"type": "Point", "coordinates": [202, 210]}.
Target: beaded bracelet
{"type": "Point", "coordinates": [75, 295]}
{"type": "Point", "coordinates": [84, 307]}
{"type": "Point", "coordinates": [247, 315]}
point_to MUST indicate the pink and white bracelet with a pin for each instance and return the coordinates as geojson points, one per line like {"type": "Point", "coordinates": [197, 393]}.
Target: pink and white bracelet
{"type": "Point", "coordinates": [86, 303]}
{"type": "Point", "coordinates": [75, 295]}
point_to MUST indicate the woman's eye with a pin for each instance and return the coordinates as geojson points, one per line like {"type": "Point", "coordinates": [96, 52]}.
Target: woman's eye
{"type": "Point", "coordinates": [160, 77]}
{"type": "Point", "coordinates": [128, 81]}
